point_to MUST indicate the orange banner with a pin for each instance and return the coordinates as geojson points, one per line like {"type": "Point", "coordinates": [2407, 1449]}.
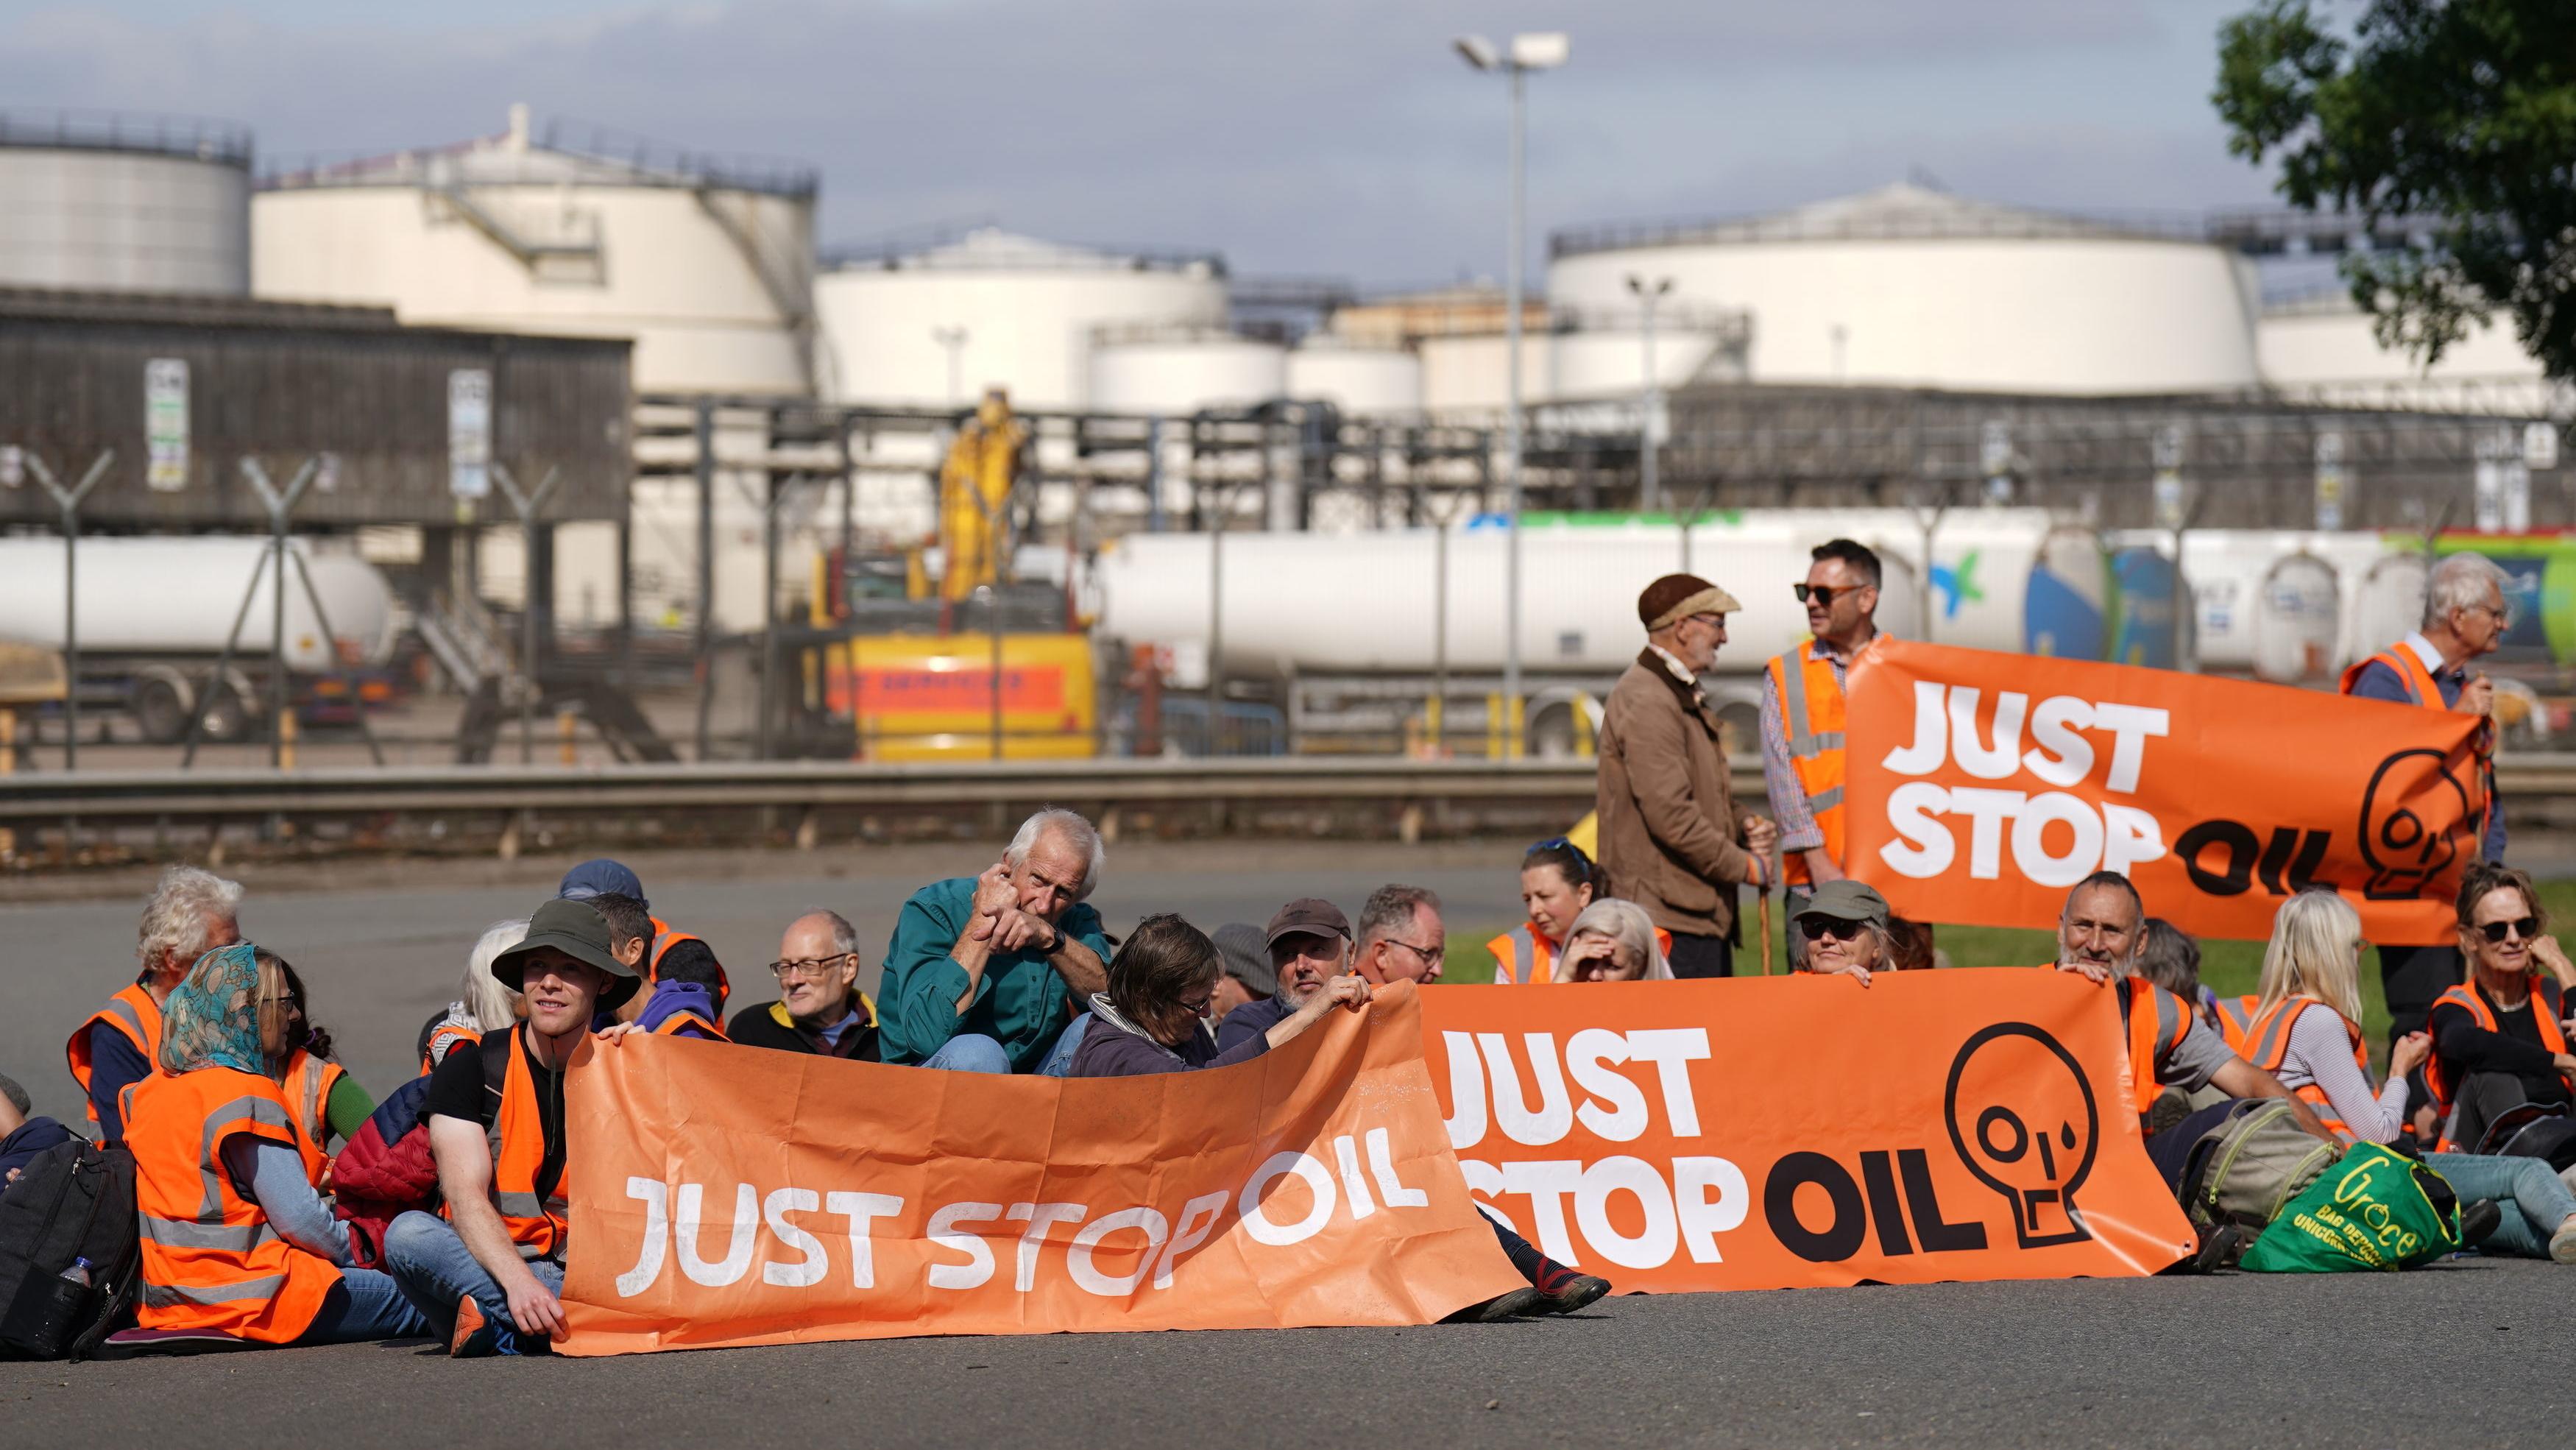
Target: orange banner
{"type": "Point", "coordinates": [1767, 1133]}
{"type": "Point", "coordinates": [1984, 785]}
{"type": "Point", "coordinates": [724, 1195]}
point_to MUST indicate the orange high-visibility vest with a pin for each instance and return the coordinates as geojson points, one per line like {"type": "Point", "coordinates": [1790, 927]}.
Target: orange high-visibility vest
{"type": "Point", "coordinates": [2268, 1042]}
{"type": "Point", "coordinates": [665, 937]}
{"type": "Point", "coordinates": [2152, 1035]}
{"type": "Point", "coordinates": [211, 1260]}
{"type": "Point", "coordinates": [1527, 957]}
{"type": "Point", "coordinates": [443, 1040]}
{"type": "Point", "coordinates": [674, 1024]}
{"type": "Point", "coordinates": [537, 1223]}
{"type": "Point", "coordinates": [308, 1085]}
{"type": "Point", "coordinates": [2437, 1077]}
{"type": "Point", "coordinates": [131, 1012]}
{"type": "Point", "coordinates": [1812, 715]}
{"type": "Point", "coordinates": [2236, 1020]}
{"type": "Point", "coordinates": [2422, 689]}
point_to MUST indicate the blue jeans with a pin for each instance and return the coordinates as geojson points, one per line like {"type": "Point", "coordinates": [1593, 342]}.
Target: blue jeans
{"type": "Point", "coordinates": [365, 1305]}
{"type": "Point", "coordinates": [975, 1052]}
{"type": "Point", "coordinates": [435, 1270]}
{"type": "Point", "coordinates": [2534, 1201]}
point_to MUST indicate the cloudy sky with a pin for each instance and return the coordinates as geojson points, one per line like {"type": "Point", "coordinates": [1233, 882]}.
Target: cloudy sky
{"type": "Point", "coordinates": [1336, 137]}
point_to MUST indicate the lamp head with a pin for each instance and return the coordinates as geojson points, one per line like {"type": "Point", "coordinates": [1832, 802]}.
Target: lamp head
{"type": "Point", "coordinates": [1539, 50]}
{"type": "Point", "coordinates": [1477, 51]}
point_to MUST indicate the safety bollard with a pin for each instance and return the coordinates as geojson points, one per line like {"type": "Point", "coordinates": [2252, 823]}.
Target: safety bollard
{"type": "Point", "coordinates": [564, 728]}
{"type": "Point", "coordinates": [286, 740]}
{"type": "Point", "coordinates": [8, 742]}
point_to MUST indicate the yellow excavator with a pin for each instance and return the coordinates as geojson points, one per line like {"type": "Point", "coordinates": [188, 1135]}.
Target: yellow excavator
{"type": "Point", "coordinates": [899, 665]}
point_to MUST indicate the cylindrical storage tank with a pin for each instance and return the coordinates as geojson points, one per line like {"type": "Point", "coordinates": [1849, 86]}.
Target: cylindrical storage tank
{"type": "Point", "coordinates": [2152, 627]}
{"type": "Point", "coordinates": [1466, 375]}
{"type": "Point", "coordinates": [2388, 606]}
{"type": "Point", "coordinates": [118, 203]}
{"type": "Point", "coordinates": [1594, 363]}
{"type": "Point", "coordinates": [1174, 372]}
{"type": "Point", "coordinates": [708, 264]}
{"type": "Point", "coordinates": [2298, 615]}
{"type": "Point", "coordinates": [1366, 382]}
{"type": "Point", "coordinates": [936, 326]}
{"type": "Point", "coordinates": [127, 587]}
{"type": "Point", "coordinates": [1913, 287]}
{"type": "Point", "coordinates": [2226, 569]}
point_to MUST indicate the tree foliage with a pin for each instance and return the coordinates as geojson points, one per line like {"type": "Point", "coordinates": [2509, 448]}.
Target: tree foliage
{"type": "Point", "coordinates": [2458, 113]}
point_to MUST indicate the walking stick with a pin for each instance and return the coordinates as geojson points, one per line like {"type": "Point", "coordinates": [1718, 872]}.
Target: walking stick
{"type": "Point", "coordinates": [1766, 930]}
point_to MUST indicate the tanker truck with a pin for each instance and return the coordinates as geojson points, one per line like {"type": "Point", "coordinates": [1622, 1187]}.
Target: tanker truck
{"type": "Point", "coordinates": [153, 614]}
{"type": "Point", "coordinates": [1346, 637]}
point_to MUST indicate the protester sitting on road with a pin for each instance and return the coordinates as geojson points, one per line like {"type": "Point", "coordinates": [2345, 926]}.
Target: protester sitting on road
{"type": "Point", "coordinates": [2098, 934]}
{"type": "Point", "coordinates": [2307, 1031]}
{"type": "Point", "coordinates": [1153, 1017]}
{"type": "Point", "coordinates": [482, 1004]}
{"type": "Point", "coordinates": [1614, 941]}
{"type": "Point", "coordinates": [1310, 944]}
{"type": "Point", "coordinates": [1842, 929]}
{"type": "Point", "coordinates": [2498, 1041]}
{"type": "Point", "coordinates": [1152, 1020]}
{"type": "Point", "coordinates": [191, 913]}
{"type": "Point", "coordinates": [983, 972]}
{"type": "Point", "coordinates": [1400, 937]}
{"type": "Point", "coordinates": [820, 1009]}
{"type": "Point", "coordinates": [328, 1103]}
{"type": "Point", "coordinates": [690, 1003]}
{"type": "Point", "coordinates": [22, 1134]}
{"type": "Point", "coordinates": [235, 1241]}
{"type": "Point", "coordinates": [487, 1276]}
{"type": "Point", "coordinates": [2170, 958]}
{"type": "Point", "coordinates": [1248, 975]}
{"type": "Point", "coordinates": [602, 877]}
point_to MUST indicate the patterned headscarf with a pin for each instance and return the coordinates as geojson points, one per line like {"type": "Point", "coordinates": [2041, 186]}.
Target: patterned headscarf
{"type": "Point", "coordinates": [212, 1017]}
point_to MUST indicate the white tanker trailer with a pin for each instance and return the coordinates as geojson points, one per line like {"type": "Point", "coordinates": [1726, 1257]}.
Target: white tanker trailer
{"type": "Point", "coordinates": [153, 613]}
{"type": "Point", "coordinates": [1344, 630]}
{"type": "Point", "coordinates": [2292, 606]}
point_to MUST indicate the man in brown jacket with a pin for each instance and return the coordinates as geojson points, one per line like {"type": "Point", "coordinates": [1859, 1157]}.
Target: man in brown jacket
{"type": "Point", "coordinates": [1671, 838]}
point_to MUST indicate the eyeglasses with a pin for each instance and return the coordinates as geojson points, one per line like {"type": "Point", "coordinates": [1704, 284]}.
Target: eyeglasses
{"type": "Point", "coordinates": [2525, 927]}
{"type": "Point", "coordinates": [1431, 956]}
{"type": "Point", "coordinates": [811, 969]}
{"type": "Point", "coordinates": [1818, 928]}
{"type": "Point", "coordinates": [1824, 594]}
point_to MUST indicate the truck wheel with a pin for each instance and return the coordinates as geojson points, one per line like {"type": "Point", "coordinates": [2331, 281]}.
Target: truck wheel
{"type": "Point", "coordinates": [161, 711]}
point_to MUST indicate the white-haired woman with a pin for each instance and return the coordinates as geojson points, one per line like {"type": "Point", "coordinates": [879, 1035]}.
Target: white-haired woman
{"type": "Point", "coordinates": [1613, 941]}
{"type": "Point", "coordinates": [191, 913]}
{"type": "Point", "coordinates": [484, 1004]}
{"type": "Point", "coordinates": [2307, 1032]}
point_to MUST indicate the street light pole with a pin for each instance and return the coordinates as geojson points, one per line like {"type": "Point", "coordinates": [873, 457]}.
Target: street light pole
{"type": "Point", "coordinates": [1650, 489]}
{"type": "Point", "coordinates": [1540, 50]}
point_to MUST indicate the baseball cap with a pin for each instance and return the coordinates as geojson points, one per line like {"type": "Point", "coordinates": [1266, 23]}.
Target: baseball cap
{"type": "Point", "coordinates": [576, 929]}
{"type": "Point", "coordinates": [1246, 958]}
{"type": "Point", "coordinates": [1312, 915]}
{"type": "Point", "coordinates": [602, 877]}
{"type": "Point", "coordinates": [1847, 901]}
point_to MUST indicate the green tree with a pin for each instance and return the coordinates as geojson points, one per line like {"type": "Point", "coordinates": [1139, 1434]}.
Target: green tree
{"type": "Point", "coordinates": [2458, 113]}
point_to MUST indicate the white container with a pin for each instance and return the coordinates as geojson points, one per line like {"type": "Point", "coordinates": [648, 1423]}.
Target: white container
{"type": "Point", "coordinates": [1176, 374]}
{"type": "Point", "coordinates": [135, 207]}
{"type": "Point", "coordinates": [1364, 382]}
{"type": "Point", "coordinates": [178, 596]}
{"type": "Point", "coordinates": [2298, 622]}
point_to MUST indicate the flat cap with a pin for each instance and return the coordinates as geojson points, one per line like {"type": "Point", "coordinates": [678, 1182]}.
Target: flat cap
{"type": "Point", "coordinates": [1679, 596]}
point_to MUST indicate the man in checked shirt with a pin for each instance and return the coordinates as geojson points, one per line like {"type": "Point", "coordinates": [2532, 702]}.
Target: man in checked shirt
{"type": "Point", "coordinates": [1803, 713]}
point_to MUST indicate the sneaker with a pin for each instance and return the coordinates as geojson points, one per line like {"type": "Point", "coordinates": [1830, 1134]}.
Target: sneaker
{"type": "Point", "coordinates": [1517, 1304]}
{"type": "Point", "coordinates": [2562, 1244]}
{"type": "Point", "coordinates": [2483, 1217]}
{"type": "Point", "coordinates": [1563, 1291]}
{"type": "Point", "coordinates": [473, 1336]}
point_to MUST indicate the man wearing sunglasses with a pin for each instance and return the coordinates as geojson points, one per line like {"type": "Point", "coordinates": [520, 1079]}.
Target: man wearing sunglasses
{"type": "Point", "coordinates": [2464, 617]}
{"type": "Point", "coordinates": [1671, 835]}
{"type": "Point", "coordinates": [1803, 716]}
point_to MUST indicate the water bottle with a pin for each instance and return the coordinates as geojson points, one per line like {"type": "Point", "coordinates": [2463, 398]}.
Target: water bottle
{"type": "Point", "coordinates": [46, 1313]}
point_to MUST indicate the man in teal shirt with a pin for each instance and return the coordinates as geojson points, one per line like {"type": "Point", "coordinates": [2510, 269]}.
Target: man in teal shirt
{"type": "Point", "coordinates": [985, 973]}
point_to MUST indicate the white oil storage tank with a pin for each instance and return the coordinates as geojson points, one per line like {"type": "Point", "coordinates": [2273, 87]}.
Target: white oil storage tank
{"type": "Point", "coordinates": [1365, 382]}
{"type": "Point", "coordinates": [937, 324]}
{"type": "Point", "coordinates": [1175, 371]}
{"type": "Point", "coordinates": [177, 596]}
{"type": "Point", "coordinates": [706, 262]}
{"type": "Point", "coordinates": [98, 201]}
{"type": "Point", "coordinates": [1913, 287]}
{"type": "Point", "coordinates": [2226, 571]}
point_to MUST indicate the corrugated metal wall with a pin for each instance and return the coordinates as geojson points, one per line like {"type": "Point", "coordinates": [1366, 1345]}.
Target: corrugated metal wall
{"type": "Point", "coordinates": [266, 382]}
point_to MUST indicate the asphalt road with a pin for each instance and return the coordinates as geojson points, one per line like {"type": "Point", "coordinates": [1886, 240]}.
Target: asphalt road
{"type": "Point", "coordinates": [382, 944]}
{"type": "Point", "coordinates": [2467, 1353]}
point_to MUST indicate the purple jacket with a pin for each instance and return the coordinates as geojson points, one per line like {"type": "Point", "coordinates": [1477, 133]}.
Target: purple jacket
{"type": "Point", "coordinates": [672, 998]}
{"type": "Point", "coordinates": [1113, 1048]}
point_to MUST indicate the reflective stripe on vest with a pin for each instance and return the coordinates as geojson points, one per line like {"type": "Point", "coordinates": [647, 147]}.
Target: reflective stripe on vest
{"type": "Point", "coordinates": [1813, 714]}
{"type": "Point", "coordinates": [678, 1022]}
{"type": "Point", "coordinates": [211, 1261]}
{"type": "Point", "coordinates": [536, 1223]}
{"type": "Point", "coordinates": [2235, 1017]}
{"type": "Point", "coordinates": [2152, 1036]}
{"type": "Point", "coordinates": [309, 1083]}
{"type": "Point", "coordinates": [2268, 1047]}
{"type": "Point", "coordinates": [133, 1013]}
{"type": "Point", "coordinates": [1521, 957]}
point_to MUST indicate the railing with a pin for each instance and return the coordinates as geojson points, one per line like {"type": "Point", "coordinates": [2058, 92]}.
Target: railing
{"type": "Point", "coordinates": [193, 137]}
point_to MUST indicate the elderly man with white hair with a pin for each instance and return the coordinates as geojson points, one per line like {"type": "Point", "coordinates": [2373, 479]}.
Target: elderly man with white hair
{"type": "Point", "coordinates": [191, 913]}
{"type": "Point", "coordinates": [2465, 616]}
{"type": "Point", "coordinates": [988, 973]}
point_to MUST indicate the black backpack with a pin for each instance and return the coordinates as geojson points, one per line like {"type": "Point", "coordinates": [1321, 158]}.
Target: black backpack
{"type": "Point", "coordinates": [75, 1201]}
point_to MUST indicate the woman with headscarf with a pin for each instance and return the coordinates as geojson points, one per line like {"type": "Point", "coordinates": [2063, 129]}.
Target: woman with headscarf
{"type": "Point", "coordinates": [236, 1243]}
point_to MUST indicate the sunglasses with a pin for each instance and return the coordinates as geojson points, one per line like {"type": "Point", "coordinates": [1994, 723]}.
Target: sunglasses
{"type": "Point", "coordinates": [1824, 594]}
{"type": "Point", "coordinates": [1818, 928]}
{"type": "Point", "coordinates": [2525, 927]}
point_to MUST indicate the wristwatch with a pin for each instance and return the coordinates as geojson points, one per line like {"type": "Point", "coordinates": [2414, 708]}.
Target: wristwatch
{"type": "Point", "coordinates": [1056, 943]}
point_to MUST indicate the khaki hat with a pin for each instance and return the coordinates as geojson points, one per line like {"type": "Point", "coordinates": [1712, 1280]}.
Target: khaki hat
{"type": "Point", "coordinates": [1846, 901]}
{"type": "Point", "coordinates": [1679, 596]}
{"type": "Point", "coordinates": [1309, 915]}
{"type": "Point", "coordinates": [576, 929]}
